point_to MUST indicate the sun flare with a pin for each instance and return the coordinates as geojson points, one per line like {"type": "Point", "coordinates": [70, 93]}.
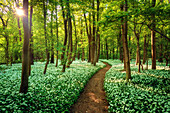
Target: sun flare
{"type": "Point", "coordinates": [19, 12]}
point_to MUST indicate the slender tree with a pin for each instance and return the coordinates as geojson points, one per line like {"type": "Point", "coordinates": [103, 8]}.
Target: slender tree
{"type": "Point", "coordinates": [52, 40]}
{"type": "Point", "coordinates": [75, 34]}
{"type": "Point", "coordinates": [25, 56]}
{"type": "Point", "coordinates": [45, 35]}
{"type": "Point", "coordinates": [56, 34]}
{"type": "Point", "coordinates": [153, 47]}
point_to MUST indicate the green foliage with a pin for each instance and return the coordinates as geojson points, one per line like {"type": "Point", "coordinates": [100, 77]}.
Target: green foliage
{"type": "Point", "coordinates": [146, 92]}
{"type": "Point", "coordinates": [52, 92]}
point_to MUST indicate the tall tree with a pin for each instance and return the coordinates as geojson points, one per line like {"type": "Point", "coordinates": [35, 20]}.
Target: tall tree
{"type": "Point", "coordinates": [25, 56]}
{"type": "Point", "coordinates": [97, 36]}
{"type": "Point", "coordinates": [153, 47]}
{"type": "Point", "coordinates": [31, 58]}
{"type": "Point", "coordinates": [70, 44]}
{"type": "Point", "coordinates": [56, 33]}
{"type": "Point", "coordinates": [93, 36]}
{"type": "Point", "coordinates": [128, 71]}
{"type": "Point", "coordinates": [65, 38]}
{"type": "Point", "coordinates": [45, 35]}
{"type": "Point", "coordinates": [75, 34]}
{"type": "Point", "coordinates": [123, 39]}
{"type": "Point", "coordinates": [52, 40]}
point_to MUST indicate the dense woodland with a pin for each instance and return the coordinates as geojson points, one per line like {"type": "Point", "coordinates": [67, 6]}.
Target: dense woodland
{"type": "Point", "coordinates": [59, 32]}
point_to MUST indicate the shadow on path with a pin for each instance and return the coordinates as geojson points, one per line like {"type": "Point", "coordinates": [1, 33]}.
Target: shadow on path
{"type": "Point", "coordinates": [93, 99]}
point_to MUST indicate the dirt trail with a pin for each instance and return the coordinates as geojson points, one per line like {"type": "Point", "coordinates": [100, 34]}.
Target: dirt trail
{"type": "Point", "coordinates": [93, 99]}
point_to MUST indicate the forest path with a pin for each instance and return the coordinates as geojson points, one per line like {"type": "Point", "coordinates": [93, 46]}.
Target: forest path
{"type": "Point", "coordinates": [93, 99]}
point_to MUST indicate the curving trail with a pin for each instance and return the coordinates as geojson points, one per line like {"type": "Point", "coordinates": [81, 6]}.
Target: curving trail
{"type": "Point", "coordinates": [93, 99]}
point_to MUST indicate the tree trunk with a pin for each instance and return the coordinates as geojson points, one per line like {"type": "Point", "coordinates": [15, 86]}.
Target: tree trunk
{"type": "Point", "coordinates": [153, 47]}
{"type": "Point", "coordinates": [45, 35]}
{"type": "Point", "coordinates": [31, 41]}
{"type": "Point", "coordinates": [25, 61]}
{"type": "Point", "coordinates": [120, 46]}
{"type": "Point", "coordinates": [138, 52]}
{"type": "Point", "coordinates": [52, 43]}
{"type": "Point", "coordinates": [93, 36]}
{"type": "Point", "coordinates": [89, 38]}
{"type": "Point", "coordinates": [160, 51]}
{"type": "Point", "coordinates": [65, 39]}
{"type": "Point", "coordinates": [19, 27]}
{"type": "Point", "coordinates": [75, 46]}
{"type": "Point", "coordinates": [97, 36]}
{"type": "Point", "coordinates": [56, 34]}
{"type": "Point", "coordinates": [70, 38]}
{"type": "Point", "coordinates": [107, 54]}
{"type": "Point", "coordinates": [123, 40]}
{"type": "Point", "coordinates": [128, 71]}
{"type": "Point", "coordinates": [144, 50]}
{"type": "Point", "coordinates": [113, 53]}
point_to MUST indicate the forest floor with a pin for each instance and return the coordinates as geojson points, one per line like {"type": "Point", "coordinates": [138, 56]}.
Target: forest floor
{"type": "Point", "coordinates": [93, 99]}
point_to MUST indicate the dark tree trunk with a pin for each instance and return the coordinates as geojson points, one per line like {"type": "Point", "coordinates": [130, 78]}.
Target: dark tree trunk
{"type": "Point", "coordinates": [93, 36]}
{"type": "Point", "coordinates": [82, 40]}
{"type": "Point", "coordinates": [65, 39]}
{"type": "Point", "coordinates": [25, 61]}
{"type": "Point", "coordinates": [31, 41]}
{"type": "Point", "coordinates": [97, 37]}
{"type": "Point", "coordinates": [70, 37]}
{"type": "Point", "coordinates": [144, 50]}
{"type": "Point", "coordinates": [160, 51]}
{"type": "Point", "coordinates": [138, 52]}
{"type": "Point", "coordinates": [78, 54]}
{"type": "Point", "coordinates": [45, 35]}
{"type": "Point", "coordinates": [89, 39]}
{"type": "Point", "coordinates": [52, 43]}
{"type": "Point", "coordinates": [107, 54]}
{"type": "Point", "coordinates": [75, 46]}
{"type": "Point", "coordinates": [113, 53]}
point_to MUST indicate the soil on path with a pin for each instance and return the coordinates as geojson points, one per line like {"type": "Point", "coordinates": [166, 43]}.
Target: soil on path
{"type": "Point", "coordinates": [93, 99]}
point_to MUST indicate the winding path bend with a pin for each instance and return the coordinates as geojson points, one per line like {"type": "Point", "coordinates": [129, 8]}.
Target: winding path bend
{"type": "Point", "coordinates": [93, 99]}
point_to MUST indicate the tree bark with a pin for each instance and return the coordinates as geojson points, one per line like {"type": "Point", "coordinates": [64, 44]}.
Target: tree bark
{"type": "Point", "coordinates": [25, 61]}
{"type": "Point", "coordinates": [56, 34]}
{"type": "Point", "coordinates": [138, 52]}
{"type": "Point", "coordinates": [65, 39]}
{"type": "Point", "coordinates": [128, 71]}
{"type": "Point", "coordinates": [75, 45]}
{"type": "Point", "coordinates": [144, 50]}
{"type": "Point", "coordinates": [89, 38]}
{"type": "Point", "coordinates": [52, 43]}
{"type": "Point", "coordinates": [123, 40]}
{"type": "Point", "coordinates": [153, 47]}
{"type": "Point", "coordinates": [107, 54]}
{"type": "Point", "coordinates": [31, 41]}
{"type": "Point", "coordinates": [97, 36]}
{"type": "Point", "coordinates": [93, 37]}
{"type": "Point", "coordinates": [45, 35]}
{"type": "Point", "coordinates": [70, 37]}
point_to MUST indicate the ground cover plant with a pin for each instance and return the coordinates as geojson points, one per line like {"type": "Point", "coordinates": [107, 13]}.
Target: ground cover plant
{"type": "Point", "coordinates": [148, 91]}
{"type": "Point", "coordinates": [53, 92]}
